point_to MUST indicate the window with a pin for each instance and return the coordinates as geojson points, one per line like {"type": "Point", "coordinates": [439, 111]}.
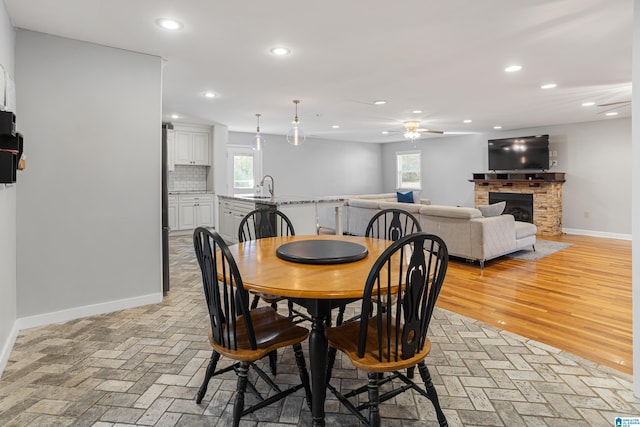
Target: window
{"type": "Point", "coordinates": [244, 167]}
{"type": "Point", "coordinates": [243, 172]}
{"type": "Point", "coordinates": [408, 170]}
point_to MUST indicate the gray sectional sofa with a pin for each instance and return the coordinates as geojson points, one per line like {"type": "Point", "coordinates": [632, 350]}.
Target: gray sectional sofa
{"type": "Point", "coordinates": [470, 235]}
{"type": "Point", "coordinates": [467, 233]}
{"type": "Point", "coordinates": [360, 209]}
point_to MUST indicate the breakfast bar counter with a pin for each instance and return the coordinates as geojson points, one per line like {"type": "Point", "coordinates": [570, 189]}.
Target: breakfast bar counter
{"type": "Point", "coordinates": [301, 210]}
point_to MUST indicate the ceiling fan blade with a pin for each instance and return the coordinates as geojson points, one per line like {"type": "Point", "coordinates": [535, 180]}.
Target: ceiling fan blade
{"type": "Point", "coordinates": [439, 132]}
{"type": "Point", "coordinates": [614, 103]}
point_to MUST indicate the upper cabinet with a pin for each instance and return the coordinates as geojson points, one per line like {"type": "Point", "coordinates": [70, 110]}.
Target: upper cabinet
{"type": "Point", "coordinates": [191, 148]}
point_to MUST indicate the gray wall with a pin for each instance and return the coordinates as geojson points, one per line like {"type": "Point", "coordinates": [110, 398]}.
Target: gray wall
{"type": "Point", "coordinates": [596, 157]}
{"type": "Point", "coordinates": [447, 164]}
{"type": "Point", "coordinates": [7, 217]}
{"type": "Point", "coordinates": [89, 219]}
{"type": "Point", "coordinates": [319, 167]}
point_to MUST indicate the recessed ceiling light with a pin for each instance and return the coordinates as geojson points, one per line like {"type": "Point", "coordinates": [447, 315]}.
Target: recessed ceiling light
{"type": "Point", "coordinates": [513, 68]}
{"type": "Point", "coordinates": [169, 24]}
{"type": "Point", "coordinates": [280, 51]}
{"type": "Point", "coordinates": [209, 94]}
{"type": "Point", "coordinates": [175, 116]}
{"type": "Point", "coordinates": [467, 121]}
{"type": "Point", "coordinates": [588, 104]}
{"type": "Point", "coordinates": [548, 86]}
{"type": "Point", "coordinates": [380, 102]}
{"type": "Point", "coordinates": [611, 113]}
{"type": "Point", "coordinates": [497, 127]}
{"type": "Point", "coordinates": [336, 126]}
{"type": "Point", "coordinates": [417, 111]}
{"type": "Point", "coordinates": [385, 132]}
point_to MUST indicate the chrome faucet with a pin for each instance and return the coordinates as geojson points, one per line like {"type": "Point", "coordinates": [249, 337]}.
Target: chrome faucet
{"type": "Point", "coordinates": [272, 186]}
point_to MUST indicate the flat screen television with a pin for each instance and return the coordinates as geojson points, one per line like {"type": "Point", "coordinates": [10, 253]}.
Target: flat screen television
{"type": "Point", "coordinates": [521, 153]}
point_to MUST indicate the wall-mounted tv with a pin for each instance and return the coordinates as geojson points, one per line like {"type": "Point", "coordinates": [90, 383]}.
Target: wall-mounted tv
{"type": "Point", "coordinates": [521, 153]}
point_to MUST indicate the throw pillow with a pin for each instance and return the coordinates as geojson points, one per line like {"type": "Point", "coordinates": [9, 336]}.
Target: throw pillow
{"type": "Point", "coordinates": [405, 197]}
{"type": "Point", "coordinates": [495, 209]}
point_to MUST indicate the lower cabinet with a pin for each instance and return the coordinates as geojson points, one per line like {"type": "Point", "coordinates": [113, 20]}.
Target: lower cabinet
{"type": "Point", "coordinates": [172, 210]}
{"type": "Point", "coordinates": [231, 213]}
{"type": "Point", "coordinates": [191, 211]}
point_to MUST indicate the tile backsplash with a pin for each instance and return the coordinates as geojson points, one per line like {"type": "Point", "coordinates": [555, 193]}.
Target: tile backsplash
{"type": "Point", "coordinates": [187, 178]}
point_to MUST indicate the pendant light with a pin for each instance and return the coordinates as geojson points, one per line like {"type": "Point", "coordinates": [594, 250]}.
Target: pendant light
{"type": "Point", "coordinates": [295, 136]}
{"type": "Point", "coordinates": [258, 141]}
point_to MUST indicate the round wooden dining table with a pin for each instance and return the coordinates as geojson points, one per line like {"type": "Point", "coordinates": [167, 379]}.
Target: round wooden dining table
{"type": "Point", "coordinates": [317, 286]}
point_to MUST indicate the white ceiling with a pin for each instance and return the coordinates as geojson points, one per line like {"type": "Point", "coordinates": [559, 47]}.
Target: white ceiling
{"type": "Point", "coordinates": [446, 58]}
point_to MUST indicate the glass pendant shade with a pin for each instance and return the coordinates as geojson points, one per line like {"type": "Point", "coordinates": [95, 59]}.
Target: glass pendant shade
{"type": "Point", "coordinates": [258, 142]}
{"type": "Point", "coordinates": [295, 136]}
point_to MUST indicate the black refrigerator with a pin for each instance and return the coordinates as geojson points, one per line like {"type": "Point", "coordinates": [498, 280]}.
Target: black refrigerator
{"type": "Point", "coordinates": [165, 212]}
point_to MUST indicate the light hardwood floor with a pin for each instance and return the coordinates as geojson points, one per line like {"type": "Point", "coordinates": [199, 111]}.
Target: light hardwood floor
{"type": "Point", "coordinates": [577, 300]}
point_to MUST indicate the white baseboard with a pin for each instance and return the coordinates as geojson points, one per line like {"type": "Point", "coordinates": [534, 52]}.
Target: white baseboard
{"type": "Point", "coordinates": [7, 347]}
{"type": "Point", "coordinates": [592, 233]}
{"type": "Point", "coordinates": [88, 310]}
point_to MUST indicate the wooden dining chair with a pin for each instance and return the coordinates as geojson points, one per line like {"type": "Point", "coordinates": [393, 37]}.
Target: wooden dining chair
{"type": "Point", "coordinates": [261, 223]}
{"type": "Point", "coordinates": [391, 334]}
{"type": "Point", "coordinates": [239, 333]}
{"type": "Point", "coordinates": [387, 224]}
{"type": "Point", "coordinates": [392, 224]}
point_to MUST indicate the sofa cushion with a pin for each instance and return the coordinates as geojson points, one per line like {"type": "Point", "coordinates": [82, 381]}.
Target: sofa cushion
{"type": "Point", "coordinates": [404, 197]}
{"type": "Point", "coordinates": [525, 229]}
{"type": "Point", "coordinates": [365, 203]}
{"type": "Point", "coordinates": [494, 209]}
{"type": "Point", "coordinates": [450, 211]}
{"type": "Point", "coordinates": [413, 208]}
{"type": "Point", "coordinates": [385, 196]}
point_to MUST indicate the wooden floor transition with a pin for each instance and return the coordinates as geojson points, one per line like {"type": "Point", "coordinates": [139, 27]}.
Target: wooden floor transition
{"type": "Point", "coordinates": [577, 299]}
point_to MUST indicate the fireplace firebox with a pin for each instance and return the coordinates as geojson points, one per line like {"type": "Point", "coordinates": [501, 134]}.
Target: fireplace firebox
{"type": "Point", "coordinates": [518, 204]}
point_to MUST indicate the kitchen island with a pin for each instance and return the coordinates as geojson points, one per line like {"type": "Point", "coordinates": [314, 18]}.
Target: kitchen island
{"type": "Point", "coordinates": [301, 210]}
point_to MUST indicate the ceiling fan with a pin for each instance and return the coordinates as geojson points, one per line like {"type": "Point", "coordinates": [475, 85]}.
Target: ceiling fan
{"type": "Point", "coordinates": [610, 106]}
{"type": "Point", "coordinates": [413, 129]}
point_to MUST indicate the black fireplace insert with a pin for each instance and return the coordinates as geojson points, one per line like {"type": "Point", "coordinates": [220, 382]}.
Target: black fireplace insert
{"type": "Point", "coordinates": [518, 204]}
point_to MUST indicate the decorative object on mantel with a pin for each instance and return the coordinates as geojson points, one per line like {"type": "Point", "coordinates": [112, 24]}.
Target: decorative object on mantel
{"type": "Point", "coordinates": [258, 140]}
{"type": "Point", "coordinates": [295, 136]}
{"type": "Point", "coordinates": [543, 248]}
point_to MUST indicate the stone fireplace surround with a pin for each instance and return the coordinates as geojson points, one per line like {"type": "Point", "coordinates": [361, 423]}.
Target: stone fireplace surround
{"type": "Point", "coordinates": [546, 188]}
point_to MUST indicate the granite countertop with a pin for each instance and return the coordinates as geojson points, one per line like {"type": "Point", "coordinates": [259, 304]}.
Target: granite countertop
{"type": "Point", "coordinates": [284, 200]}
{"type": "Point", "coordinates": [191, 192]}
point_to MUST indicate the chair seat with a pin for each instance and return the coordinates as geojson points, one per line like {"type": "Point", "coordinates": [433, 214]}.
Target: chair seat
{"type": "Point", "coordinates": [345, 339]}
{"type": "Point", "coordinates": [272, 331]}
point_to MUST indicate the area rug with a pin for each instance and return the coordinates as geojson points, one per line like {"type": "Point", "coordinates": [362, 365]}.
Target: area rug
{"type": "Point", "coordinates": [543, 249]}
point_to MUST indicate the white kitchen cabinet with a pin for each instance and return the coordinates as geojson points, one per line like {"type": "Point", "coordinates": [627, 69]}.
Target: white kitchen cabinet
{"type": "Point", "coordinates": [231, 213]}
{"type": "Point", "coordinates": [191, 148]}
{"type": "Point", "coordinates": [225, 221]}
{"type": "Point", "coordinates": [172, 210]}
{"type": "Point", "coordinates": [195, 210]}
